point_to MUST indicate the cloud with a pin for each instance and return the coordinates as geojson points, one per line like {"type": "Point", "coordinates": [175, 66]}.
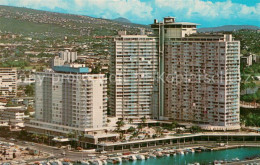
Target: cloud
{"type": "Point", "coordinates": [134, 9]}
{"type": "Point", "coordinates": [205, 12]}
{"type": "Point", "coordinates": [208, 9]}
{"type": "Point", "coordinates": [36, 4]}
{"type": "Point", "coordinates": [131, 9]}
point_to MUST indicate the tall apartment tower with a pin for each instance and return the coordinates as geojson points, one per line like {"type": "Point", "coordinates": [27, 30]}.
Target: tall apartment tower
{"type": "Point", "coordinates": [8, 82]}
{"type": "Point", "coordinates": [68, 56]}
{"type": "Point", "coordinates": [133, 73]}
{"type": "Point", "coordinates": [69, 99]}
{"type": "Point", "coordinates": [201, 75]}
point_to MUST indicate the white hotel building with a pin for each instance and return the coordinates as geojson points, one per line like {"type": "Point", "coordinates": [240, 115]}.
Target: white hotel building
{"type": "Point", "coordinates": [133, 73]}
{"type": "Point", "coordinates": [183, 57]}
{"type": "Point", "coordinates": [68, 100]}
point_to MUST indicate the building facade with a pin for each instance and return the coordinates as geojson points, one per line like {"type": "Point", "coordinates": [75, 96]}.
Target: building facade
{"type": "Point", "coordinates": [133, 73]}
{"type": "Point", "coordinates": [69, 99]}
{"type": "Point", "coordinates": [194, 77]}
{"type": "Point", "coordinates": [201, 75]}
{"type": "Point", "coordinates": [8, 82]}
{"type": "Point", "coordinates": [12, 114]}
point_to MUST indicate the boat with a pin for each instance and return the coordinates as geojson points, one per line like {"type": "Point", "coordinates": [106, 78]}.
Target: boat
{"type": "Point", "coordinates": [110, 160]}
{"type": "Point", "coordinates": [84, 163]}
{"type": "Point", "coordinates": [58, 162]}
{"type": "Point", "coordinates": [118, 159]}
{"type": "Point", "coordinates": [147, 156]}
{"type": "Point", "coordinates": [104, 161]}
{"type": "Point", "coordinates": [97, 162]}
{"type": "Point", "coordinates": [132, 157]}
{"type": "Point", "coordinates": [235, 159]}
{"type": "Point", "coordinates": [158, 154]}
{"type": "Point", "coordinates": [125, 158]}
{"type": "Point", "coordinates": [140, 157]}
{"type": "Point", "coordinates": [197, 150]}
{"type": "Point", "coordinates": [152, 155]}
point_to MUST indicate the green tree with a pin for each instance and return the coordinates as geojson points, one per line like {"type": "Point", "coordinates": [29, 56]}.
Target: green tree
{"type": "Point", "coordinates": [120, 124]}
{"type": "Point", "coordinates": [195, 129]}
{"type": "Point", "coordinates": [130, 121]}
{"type": "Point", "coordinates": [143, 120]}
{"type": "Point", "coordinates": [131, 129]}
{"type": "Point", "coordinates": [29, 90]}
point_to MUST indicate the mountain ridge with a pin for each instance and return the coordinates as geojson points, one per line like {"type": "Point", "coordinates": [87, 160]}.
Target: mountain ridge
{"type": "Point", "coordinates": [228, 28]}
{"type": "Point", "coordinates": [122, 19]}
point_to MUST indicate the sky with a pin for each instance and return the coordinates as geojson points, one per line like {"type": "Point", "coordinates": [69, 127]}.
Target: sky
{"type": "Point", "coordinates": [207, 13]}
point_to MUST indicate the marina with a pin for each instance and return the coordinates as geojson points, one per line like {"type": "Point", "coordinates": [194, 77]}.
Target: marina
{"type": "Point", "coordinates": [185, 156]}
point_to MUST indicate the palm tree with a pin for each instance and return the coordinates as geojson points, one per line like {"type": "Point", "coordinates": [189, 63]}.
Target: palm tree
{"type": "Point", "coordinates": [158, 131]}
{"type": "Point", "coordinates": [131, 129]}
{"type": "Point", "coordinates": [130, 121]}
{"type": "Point", "coordinates": [139, 127]}
{"type": "Point", "coordinates": [135, 134]}
{"type": "Point", "coordinates": [195, 129]}
{"type": "Point", "coordinates": [35, 136]}
{"type": "Point", "coordinates": [44, 138]}
{"type": "Point", "coordinates": [174, 124]}
{"type": "Point", "coordinates": [120, 123]}
{"type": "Point", "coordinates": [143, 119]}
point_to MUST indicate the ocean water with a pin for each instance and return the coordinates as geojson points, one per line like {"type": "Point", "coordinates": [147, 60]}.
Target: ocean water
{"type": "Point", "coordinates": [202, 158]}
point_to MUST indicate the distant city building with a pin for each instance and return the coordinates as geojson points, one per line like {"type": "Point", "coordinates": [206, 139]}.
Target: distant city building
{"type": "Point", "coordinates": [69, 99]}
{"type": "Point", "coordinates": [8, 82]}
{"type": "Point", "coordinates": [64, 57]}
{"type": "Point", "coordinates": [57, 61]}
{"type": "Point", "coordinates": [133, 71]}
{"type": "Point", "coordinates": [250, 59]}
{"type": "Point", "coordinates": [68, 56]}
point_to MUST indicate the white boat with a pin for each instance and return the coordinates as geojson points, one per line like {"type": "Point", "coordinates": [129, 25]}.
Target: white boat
{"type": "Point", "coordinates": [84, 163]}
{"type": "Point", "coordinates": [118, 159]}
{"type": "Point", "coordinates": [132, 157]}
{"type": "Point", "coordinates": [158, 154]}
{"type": "Point", "coordinates": [58, 162]}
{"type": "Point", "coordinates": [152, 156]}
{"type": "Point", "coordinates": [140, 157]}
{"type": "Point", "coordinates": [110, 161]}
{"type": "Point", "coordinates": [97, 162]}
{"type": "Point", "coordinates": [104, 161]}
{"type": "Point", "coordinates": [235, 159]}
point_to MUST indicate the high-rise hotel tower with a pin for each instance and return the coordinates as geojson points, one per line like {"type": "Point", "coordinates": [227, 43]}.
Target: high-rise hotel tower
{"type": "Point", "coordinates": [197, 75]}
{"type": "Point", "coordinates": [133, 72]}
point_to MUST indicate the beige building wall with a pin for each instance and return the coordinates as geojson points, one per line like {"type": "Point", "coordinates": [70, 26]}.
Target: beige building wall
{"type": "Point", "coordinates": [8, 82]}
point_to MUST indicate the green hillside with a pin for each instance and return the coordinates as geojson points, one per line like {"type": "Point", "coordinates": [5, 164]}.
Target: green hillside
{"type": "Point", "coordinates": [36, 22]}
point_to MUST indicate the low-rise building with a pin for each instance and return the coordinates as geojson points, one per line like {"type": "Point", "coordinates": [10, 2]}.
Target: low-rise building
{"type": "Point", "coordinates": [8, 82]}
{"type": "Point", "coordinates": [12, 113]}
